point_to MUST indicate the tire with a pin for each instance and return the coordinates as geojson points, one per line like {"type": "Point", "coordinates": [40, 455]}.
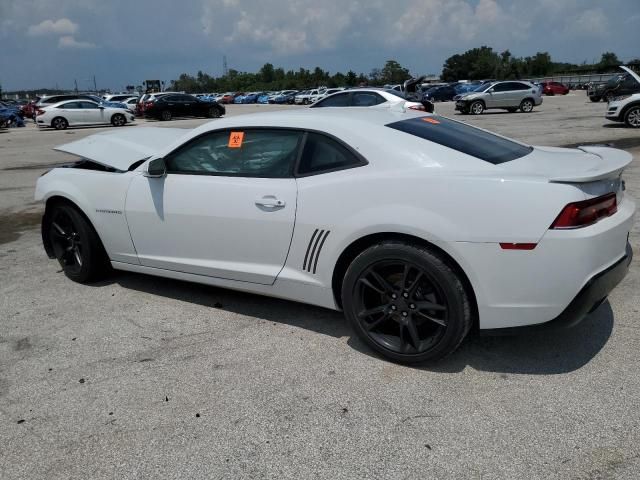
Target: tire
{"type": "Point", "coordinates": [59, 123]}
{"type": "Point", "coordinates": [118, 120]}
{"type": "Point", "coordinates": [594, 99]}
{"type": "Point", "coordinates": [76, 245]}
{"type": "Point", "coordinates": [476, 108]}
{"type": "Point", "coordinates": [386, 295]}
{"type": "Point", "coordinates": [305, 101]}
{"type": "Point", "coordinates": [166, 115]}
{"type": "Point", "coordinates": [214, 112]}
{"type": "Point", "coordinates": [512, 109]}
{"type": "Point", "coordinates": [526, 106]}
{"type": "Point", "coordinates": [632, 117]}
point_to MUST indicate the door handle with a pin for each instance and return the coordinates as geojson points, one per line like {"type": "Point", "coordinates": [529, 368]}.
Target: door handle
{"type": "Point", "coordinates": [270, 202]}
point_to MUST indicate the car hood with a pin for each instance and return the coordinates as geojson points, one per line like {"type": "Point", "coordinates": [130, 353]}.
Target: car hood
{"type": "Point", "coordinates": [571, 165]}
{"type": "Point", "coordinates": [123, 148]}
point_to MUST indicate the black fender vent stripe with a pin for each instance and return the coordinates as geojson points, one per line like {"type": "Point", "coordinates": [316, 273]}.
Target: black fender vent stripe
{"type": "Point", "coordinates": [313, 250]}
{"type": "Point", "coordinates": [306, 256]}
{"type": "Point", "coordinates": [315, 264]}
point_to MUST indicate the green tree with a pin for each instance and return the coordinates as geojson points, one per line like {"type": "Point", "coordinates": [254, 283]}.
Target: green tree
{"type": "Point", "coordinates": [608, 61]}
{"type": "Point", "coordinates": [393, 73]}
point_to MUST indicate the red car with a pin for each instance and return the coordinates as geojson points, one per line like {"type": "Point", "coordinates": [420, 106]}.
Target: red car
{"type": "Point", "coordinates": [554, 88]}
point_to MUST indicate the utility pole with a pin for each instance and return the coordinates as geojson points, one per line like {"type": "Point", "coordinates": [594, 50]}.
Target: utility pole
{"type": "Point", "coordinates": [76, 84]}
{"type": "Point", "coordinates": [95, 88]}
{"type": "Point", "coordinates": [225, 68]}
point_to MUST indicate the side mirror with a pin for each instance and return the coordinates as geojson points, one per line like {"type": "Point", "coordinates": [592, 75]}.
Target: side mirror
{"type": "Point", "coordinates": [156, 168]}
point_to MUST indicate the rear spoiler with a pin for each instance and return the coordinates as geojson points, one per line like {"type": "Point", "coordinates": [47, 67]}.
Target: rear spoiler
{"type": "Point", "coordinates": [613, 163]}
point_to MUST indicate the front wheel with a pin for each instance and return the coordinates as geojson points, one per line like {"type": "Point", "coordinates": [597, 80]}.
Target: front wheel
{"type": "Point", "coordinates": [476, 107]}
{"type": "Point", "coordinates": [594, 98]}
{"type": "Point", "coordinates": [406, 302]}
{"type": "Point", "coordinates": [526, 106]}
{"type": "Point", "coordinates": [76, 245]}
{"type": "Point", "coordinates": [118, 120]}
{"type": "Point", "coordinates": [166, 115]}
{"type": "Point", "coordinates": [632, 117]}
{"type": "Point", "coordinates": [213, 112]}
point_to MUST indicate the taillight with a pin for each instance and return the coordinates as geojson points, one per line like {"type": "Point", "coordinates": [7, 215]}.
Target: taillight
{"type": "Point", "coordinates": [587, 212]}
{"type": "Point", "coordinates": [417, 107]}
{"type": "Point", "coordinates": [148, 104]}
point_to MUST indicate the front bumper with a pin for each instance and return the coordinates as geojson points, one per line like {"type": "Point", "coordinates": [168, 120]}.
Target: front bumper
{"type": "Point", "coordinates": [586, 301]}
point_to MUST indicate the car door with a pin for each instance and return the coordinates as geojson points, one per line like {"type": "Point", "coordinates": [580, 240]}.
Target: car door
{"type": "Point", "coordinates": [498, 95]}
{"type": "Point", "coordinates": [226, 207]}
{"type": "Point", "coordinates": [171, 103]}
{"type": "Point", "coordinates": [188, 106]}
{"type": "Point", "coordinates": [72, 112]}
{"type": "Point", "coordinates": [92, 113]}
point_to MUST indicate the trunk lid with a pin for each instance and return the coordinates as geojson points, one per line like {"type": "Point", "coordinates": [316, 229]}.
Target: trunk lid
{"type": "Point", "coordinates": [571, 165]}
{"type": "Point", "coordinates": [123, 148]}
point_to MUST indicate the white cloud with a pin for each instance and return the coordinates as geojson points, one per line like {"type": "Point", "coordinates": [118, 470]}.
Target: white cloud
{"type": "Point", "coordinates": [68, 41]}
{"type": "Point", "coordinates": [63, 26]}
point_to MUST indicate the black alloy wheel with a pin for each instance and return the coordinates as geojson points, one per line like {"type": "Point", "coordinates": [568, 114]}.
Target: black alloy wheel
{"type": "Point", "coordinates": [75, 244]}
{"type": "Point", "coordinates": [405, 302]}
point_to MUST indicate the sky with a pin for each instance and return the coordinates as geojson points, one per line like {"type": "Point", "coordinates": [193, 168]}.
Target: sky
{"type": "Point", "coordinates": [49, 43]}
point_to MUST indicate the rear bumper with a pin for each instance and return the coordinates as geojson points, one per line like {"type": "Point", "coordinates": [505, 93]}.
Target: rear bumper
{"type": "Point", "coordinates": [587, 300]}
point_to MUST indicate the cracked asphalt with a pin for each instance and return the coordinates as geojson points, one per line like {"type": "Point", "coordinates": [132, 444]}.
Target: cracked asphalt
{"type": "Point", "coordinates": [142, 377]}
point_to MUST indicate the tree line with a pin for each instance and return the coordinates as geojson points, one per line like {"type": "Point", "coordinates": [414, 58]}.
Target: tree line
{"type": "Point", "coordinates": [474, 64]}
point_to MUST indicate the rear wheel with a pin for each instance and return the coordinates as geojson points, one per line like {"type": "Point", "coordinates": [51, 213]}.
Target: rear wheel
{"type": "Point", "coordinates": [526, 106]}
{"type": "Point", "coordinates": [59, 123]}
{"type": "Point", "coordinates": [166, 115]}
{"type": "Point", "coordinates": [76, 245]}
{"type": "Point", "coordinates": [213, 112]}
{"type": "Point", "coordinates": [632, 117]}
{"type": "Point", "coordinates": [477, 107]}
{"type": "Point", "coordinates": [406, 302]}
{"type": "Point", "coordinates": [118, 120]}
{"type": "Point", "coordinates": [594, 98]}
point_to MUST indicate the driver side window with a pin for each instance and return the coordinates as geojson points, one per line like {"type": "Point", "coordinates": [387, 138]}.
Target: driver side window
{"type": "Point", "coordinates": [239, 153]}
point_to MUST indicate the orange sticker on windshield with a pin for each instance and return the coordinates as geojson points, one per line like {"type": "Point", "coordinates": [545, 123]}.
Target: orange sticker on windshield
{"type": "Point", "coordinates": [235, 139]}
{"type": "Point", "coordinates": [430, 120]}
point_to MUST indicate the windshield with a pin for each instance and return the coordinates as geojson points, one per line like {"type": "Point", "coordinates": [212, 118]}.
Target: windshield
{"type": "Point", "coordinates": [463, 138]}
{"type": "Point", "coordinates": [482, 87]}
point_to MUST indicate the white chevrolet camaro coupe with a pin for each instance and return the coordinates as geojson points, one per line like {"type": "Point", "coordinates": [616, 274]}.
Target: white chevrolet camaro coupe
{"type": "Point", "coordinates": [417, 226]}
{"type": "Point", "coordinates": [81, 112]}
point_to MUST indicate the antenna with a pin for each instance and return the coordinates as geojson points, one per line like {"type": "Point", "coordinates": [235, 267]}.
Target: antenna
{"type": "Point", "coordinates": [225, 68]}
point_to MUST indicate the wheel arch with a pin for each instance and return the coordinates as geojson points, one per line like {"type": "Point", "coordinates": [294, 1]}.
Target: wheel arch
{"type": "Point", "coordinates": [627, 107]}
{"type": "Point", "coordinates": [50, 203]}
{"type": "Point", "coordinates": [358, 246]}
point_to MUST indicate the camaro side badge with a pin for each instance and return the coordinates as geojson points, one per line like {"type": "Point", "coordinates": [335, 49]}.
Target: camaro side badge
{"type": "Point", "coordinates": [117, 212]}
{"type": "Point", "coordinates": [235, 139]}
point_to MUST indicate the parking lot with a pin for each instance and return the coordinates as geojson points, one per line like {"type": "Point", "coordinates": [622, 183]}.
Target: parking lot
{"type": "Point", "coordinates": [142, 377]}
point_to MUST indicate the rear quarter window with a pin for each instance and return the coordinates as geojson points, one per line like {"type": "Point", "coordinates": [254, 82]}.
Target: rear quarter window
{"type": "Point", "coordinates": [463, 138]}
